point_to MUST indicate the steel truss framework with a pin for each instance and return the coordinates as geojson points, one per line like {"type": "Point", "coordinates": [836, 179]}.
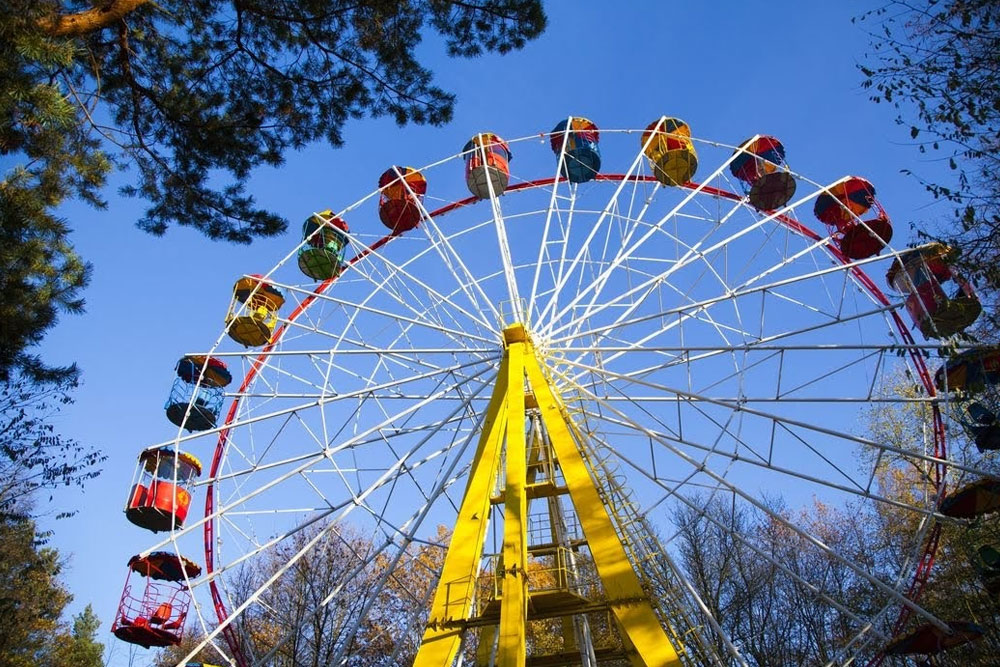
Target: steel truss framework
{"type": "Point", "coordinates": [454, 604]}
{"type": "Point", "coordinates": [693, 351]}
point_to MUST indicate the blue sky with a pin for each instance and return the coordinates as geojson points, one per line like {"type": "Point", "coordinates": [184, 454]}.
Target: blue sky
{"type": "Point", "coordinates": [730, 69]}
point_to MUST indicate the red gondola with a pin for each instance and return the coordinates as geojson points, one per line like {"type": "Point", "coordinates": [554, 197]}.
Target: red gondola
{"type": "Point", "coordinates": [402, 191]}
{"type": "Point", "coordinates": [929, 639]}
{"type": "Point", "coordinates": [841, 208]}
{"type": "Point", "coordinates": [155, 616]}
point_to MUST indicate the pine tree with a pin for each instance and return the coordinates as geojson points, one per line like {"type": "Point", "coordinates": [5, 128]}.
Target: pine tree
{"type": "Point", "coordinates": [192, 96]}
{"type": "Point", "coordinates": [78, 647]}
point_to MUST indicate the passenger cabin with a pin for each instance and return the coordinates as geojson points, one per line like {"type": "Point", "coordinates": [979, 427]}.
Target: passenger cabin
{"type": "Point", "coordinates": [988, 566]}
{"type": "Point", "coordinates": [667, 143]}
{"type": "Point", "coordinates": [579, 139]}
{"type": "Point", "coordinates": [253, 310]}
{"type": "Point", "coordinates": [196, 395]}
{"type": "Point", "coordinates": [324, 242]}
{"type": "Point", "coordinates": [487, 165]}
{"type": "Point", "coordinates": [841, 208]}
{"type": "Point", "coordinates": [973, 500]}
{"type": "Point", "coordinates": [154, 604]}
{"type": "Point", "coordinates": [940, 302]}
{"type": "Point", "coordinates": [973, 379]}
{"type": "Point", "coordinates": [929, 639]}
{"type": "Point", "coordinates": [160, 494]}
{"type": "Point", "coordinates": [400, 205]}
{"type": "Point", "coordinates": [759, 164]}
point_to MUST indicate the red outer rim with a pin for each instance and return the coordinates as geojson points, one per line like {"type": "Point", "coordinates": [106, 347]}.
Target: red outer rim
{"type": "Point", "coordinates": [924, 565]}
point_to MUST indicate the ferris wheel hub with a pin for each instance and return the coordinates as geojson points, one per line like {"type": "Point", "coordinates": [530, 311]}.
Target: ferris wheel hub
{"type": "Point", "coordinates": [515, 333]}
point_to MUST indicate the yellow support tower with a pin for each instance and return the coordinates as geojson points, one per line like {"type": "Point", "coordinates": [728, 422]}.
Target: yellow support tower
{"type": "Point", "coordinates": [524, 401]}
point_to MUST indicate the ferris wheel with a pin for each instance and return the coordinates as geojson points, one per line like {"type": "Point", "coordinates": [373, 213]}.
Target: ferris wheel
{"type": "Point", "coordinates": [464, 427]}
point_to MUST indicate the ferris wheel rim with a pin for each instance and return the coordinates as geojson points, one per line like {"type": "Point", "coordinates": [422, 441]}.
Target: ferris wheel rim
{"type": "Point", "coordinates": [257, 364]}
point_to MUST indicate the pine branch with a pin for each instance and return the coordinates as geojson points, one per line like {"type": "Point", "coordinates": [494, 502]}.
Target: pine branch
{"type": "Point", "coordinates": [90, 20]}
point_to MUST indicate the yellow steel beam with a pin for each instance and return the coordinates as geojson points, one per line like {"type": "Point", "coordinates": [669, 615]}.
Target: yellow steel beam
{"type": "Point", "coordinates": [511, 649]}
{"type": "Point", "coordinates": [456, 588]}
{"type": "Point", "coordinates": [487, 640]}
{"type": "Point", "coordinates": [628, 601]}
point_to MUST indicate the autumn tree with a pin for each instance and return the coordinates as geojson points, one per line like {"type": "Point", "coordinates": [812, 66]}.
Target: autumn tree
{"type": "Point", "coordinates": [32, 600]}
{"type": "Point", "coordinates": [751, 569]}
{"type": "Point", "coordinates": [297, 621]}
{"type": "Point", "coordinates": [172, 656]}
{"type": "Point", "coordinates": [956, 589]}
{"type": "Point", "coordinates": [338, 597]}
{"type": "Point", "coordinates": [938, 63]}
{"type": "Point", "coordinates": [312, 609]}
{"type": "Point", "coordinates": [79, 646]}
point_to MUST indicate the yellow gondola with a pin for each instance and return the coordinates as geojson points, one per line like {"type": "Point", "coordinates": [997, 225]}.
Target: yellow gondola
{"type": "Point", "coordinates": [667, 143]}
{"type": "Point", "coordinates": [253, 311]}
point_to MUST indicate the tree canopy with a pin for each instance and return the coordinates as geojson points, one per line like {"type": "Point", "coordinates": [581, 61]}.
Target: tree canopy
{"type": "Point", "coordinates": [938, 63]}
{"type": "Point", "coordinates": [32, 601]}
{"type": "Point", "coordinates": [32, 597]}
{"type": "Point", "coordinates": [79, 646]}
{"type": "Point", "coordinates": [191, 96]}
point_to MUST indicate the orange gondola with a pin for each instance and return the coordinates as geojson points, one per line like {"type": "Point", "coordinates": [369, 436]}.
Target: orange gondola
{"type": "Point", "coordinates": [841, 208]}
{"type": "Point", "coordinates": [160, 495]}
{"type": "Point", "coordinates": [253, 310]}
{"type": "Point", "coordinates": [921, 275]}
{"type": "Point", "coordinates": [667, 143]}
{"type": "Point", "coordinates": [155, 616]}
{"type": "Point", "coordinates": [487, 165]}
{"type": "Point", "coordinates": [400, 200]}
